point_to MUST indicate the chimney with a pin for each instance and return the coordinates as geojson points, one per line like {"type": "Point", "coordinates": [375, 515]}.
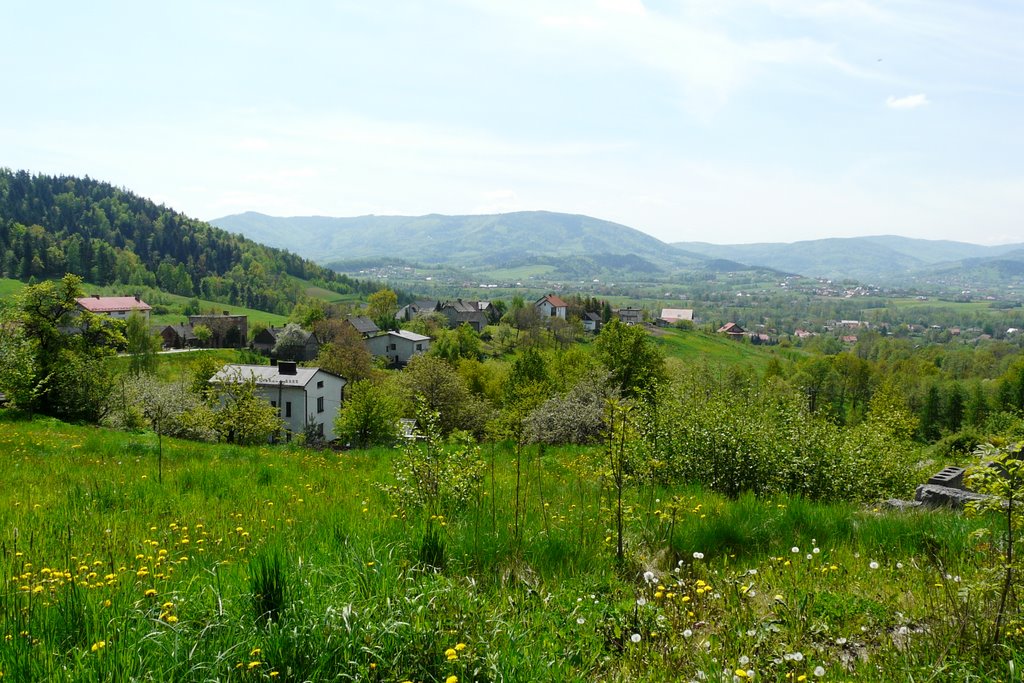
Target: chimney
{"type": "Point", "coordinates": [95, 296]}
{"type": "Point", "coordinates": [137, 298]}
{"type": "Point", "coordinates": [287, 367]}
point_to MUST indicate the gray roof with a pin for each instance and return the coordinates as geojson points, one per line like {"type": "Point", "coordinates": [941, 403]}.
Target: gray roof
{"type": "Point", "coordinates": [266, 375]}
{"type": "Point", "coordinates": [411, 336]}
{"type": "Point", "coordinates": [363, 324]}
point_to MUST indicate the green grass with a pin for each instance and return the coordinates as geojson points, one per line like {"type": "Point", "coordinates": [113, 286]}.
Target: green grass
{"type": "Point", "coordinates": [694, 345]}
{"type": "Point", "coordinates": [10, 287]}
{"type": "Point", "coordinates": [275, 563]}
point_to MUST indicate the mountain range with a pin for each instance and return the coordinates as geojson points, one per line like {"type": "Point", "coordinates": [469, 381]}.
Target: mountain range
{"type": "Point", "coordinates": [531, 237]}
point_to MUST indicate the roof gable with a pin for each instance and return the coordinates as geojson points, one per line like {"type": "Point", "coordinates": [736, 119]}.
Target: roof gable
{"type": "Point", "coordinates": [109, 304]}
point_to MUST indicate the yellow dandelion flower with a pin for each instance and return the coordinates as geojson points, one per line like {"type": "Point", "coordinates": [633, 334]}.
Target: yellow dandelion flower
{"type": "Point", "coordinates": [99, 645]}
{"type": "Point", "coordinates": [255, 652]}
{"type": "Point", "coordinates": [460, 647]}
{"type": "Point", "coordinates": [254, 664]}
{"type": "Point", "coordinates": [452, 679]}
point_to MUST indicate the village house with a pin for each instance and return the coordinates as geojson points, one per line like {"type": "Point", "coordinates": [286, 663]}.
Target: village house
{"type": "Point", "coordinates": [591, 321]}
{"type": "Point", "coordinates": [417, 309]}
{"type": "Point", "coordinates": [551, 306]}
{"type": "Point", "coordinates": [671, 316]}
{"type": "Point", "coordinates": [227, 331]}
{"type": "Point", "coordinates": [630, 315]}
{"type": "Point", "coordinates": [363, 325]}
{"type": "Point", "coordinates": [733, 330]}
{"type": "Point", "coordinates": [117, 307]}
{"type": "Point", "coordinates": [178, 336]}
{"type": "Point", "coordinates": [397, 347]}
{"type": "Point", "coordinates": [266, 339]}
{"type": "Point", "coordinates": [461, 312]}
{"type": "Point", "coordinates": [302, 396]}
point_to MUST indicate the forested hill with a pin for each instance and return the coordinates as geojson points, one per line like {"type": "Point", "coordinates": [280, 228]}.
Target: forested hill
{"type": "Point", "coordinates": [52, 225]}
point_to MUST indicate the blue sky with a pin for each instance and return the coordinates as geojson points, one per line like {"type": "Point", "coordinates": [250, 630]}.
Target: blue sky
{"type": "Point", "coordinates": [713, 120]}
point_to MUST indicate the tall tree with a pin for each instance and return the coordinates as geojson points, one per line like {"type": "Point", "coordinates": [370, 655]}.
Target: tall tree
{"type": "Point", "coordinates": [630, 356]}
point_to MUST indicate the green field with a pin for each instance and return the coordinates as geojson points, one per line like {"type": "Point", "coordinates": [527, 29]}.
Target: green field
{"type": "Point", "coordinates": [697, 346]}
{"type": "Point", "coordinates": [9, 287]}
{"type": "Point", "coordinates": [276, 563]}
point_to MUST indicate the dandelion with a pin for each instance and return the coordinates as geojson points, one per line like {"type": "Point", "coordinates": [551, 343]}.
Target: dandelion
{"type": "Point", "coordinates": [99, 645]}
{"type": "Point", "coordinates": [744, 660]}
{"type": "Point", "coordinates": [649, 577]}
{"type": "Point", "coordinates": [459, 647]}
{"type": "Point", "coordinates": [816, 551]}
{"type": "Point", "coordinates": [696, 556]}
{"type": "Point", "coordinates": [687, 633]}
{"type": "Point", "coordinates": [580, 620]}
{"type": "Point", "coordinates": [635, 637]}
{"type": "Point", "coordinates": [873, 564]}
{"type": "Point", "coordinates": [150, 593]}
{"type": "Point", "coordinates": [794, 549]}
{"type": "Point", "coordinates": [452, 679]}
{"type": "Point", "coordinates": [254, 664]}
{"type": "Point", "coordinates": [819, 671]}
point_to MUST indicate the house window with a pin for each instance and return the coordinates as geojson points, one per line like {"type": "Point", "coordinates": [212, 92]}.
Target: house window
{"type": "Point", "coordinates": [320, 384]}
{"type": "Point", "coordinates": [419, 347]}
{"type": "Point", "coordinates": [320, 404]}
{"type": "Point", "coordinates": [288, 409]}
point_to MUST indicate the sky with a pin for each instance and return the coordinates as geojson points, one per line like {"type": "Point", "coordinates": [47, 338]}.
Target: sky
{"type": "Point", "coordinates": [724, 121]}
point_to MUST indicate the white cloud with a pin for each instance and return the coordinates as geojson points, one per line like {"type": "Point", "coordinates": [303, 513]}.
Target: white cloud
{"type": "Point", "coordinates": [907, 102]}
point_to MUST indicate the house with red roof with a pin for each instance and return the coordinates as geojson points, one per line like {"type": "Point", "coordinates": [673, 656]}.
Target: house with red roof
{"type": "Point", "coordinates": [119, 307]}
{"type": "Point", "coordinates": [551, 306]}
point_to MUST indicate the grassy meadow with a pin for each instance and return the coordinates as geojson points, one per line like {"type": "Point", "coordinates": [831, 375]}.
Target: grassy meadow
{"type": "Point", "coordinates": [696, 345]}
{"type": "Point", "coordinates": [202, 562]}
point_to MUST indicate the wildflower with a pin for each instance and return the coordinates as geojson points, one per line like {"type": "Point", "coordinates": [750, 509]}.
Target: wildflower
{"type": "Point", "coordinates": [873, 564]}
{"type": "Point", "coordinates": [819, 671]}
{"type": "Point", "coordinates": [696, 556]}
{"type": "Point", "coordinates": [649, 577]}
{"type": "Point", "coordinates": [744, 660]}
{"type": "Point", "coordinates": [452, 679]}
{"type": "Point", "coordinates": [794, 549]}
{"type": "Point", "coordinates": [741, 673]}
{"type": "Point", "coordinates": [580, 620]}
{"type": "Point", "coordinates": [451, 654]}
{"type": "Point", "coordinates": [816, 551]}
{"type": "Point", "coordinates": [635, 637]}
{"type": "Point", "coordinates": [255, 652]}
{"type": "Point", "coordinates": [99, 645]}
{"type": "Point", "coordinates": [687, 633]}
{"type": "Point", "coordinates": [459, 647]}
{"type": "Point", "coordinates": [150, 593]}
{"type": "Point", "coordinates": [254, 664]}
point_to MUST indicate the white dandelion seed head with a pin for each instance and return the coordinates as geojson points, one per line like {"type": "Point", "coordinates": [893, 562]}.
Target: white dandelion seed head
{"type": "Point", "coordinates": [697, 556]}
{"type": "Point", "coordinates": [635, 637]}
{"type": "Point", "coordinates": [580, 620]}
{"type": "Point", "coordinates": [816, 551]}
{"type": "Point", "coordinates": [649, 577]}
{"type": "Point", "coordinates": [744, 660]}
{"type": "Point", "coordinates": [899, 565]}
{"type": "Point", "coordinates": [687, 633]}
{"type": "Point", "coordinates": [873, 564]}
{"type": "Point", "coordinates": [819, 671]}
{"type": "Point", "coordinates": [641, 601]}
{"type": "Point", "coordinates": [794, 549]}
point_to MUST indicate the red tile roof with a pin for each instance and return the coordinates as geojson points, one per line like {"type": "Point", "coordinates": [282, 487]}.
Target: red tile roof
{"type": "Point", "coordinates": [108, 304]}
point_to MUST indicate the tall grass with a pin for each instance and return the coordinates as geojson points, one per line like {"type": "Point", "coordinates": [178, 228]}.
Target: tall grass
{"type": "Point", "coordinates": [276, 563]}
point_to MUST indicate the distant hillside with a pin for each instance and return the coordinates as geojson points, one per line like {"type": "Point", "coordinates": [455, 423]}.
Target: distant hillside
{"type": "Point", "coordinates": [501, 240]}
{"type": "Point", "coordinates": [51, 225]}
{"type": "Point", "coordinates": [883, 258]}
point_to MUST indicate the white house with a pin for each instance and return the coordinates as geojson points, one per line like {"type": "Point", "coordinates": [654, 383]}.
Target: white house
{"type": "Point", "coordinates": [302, 396]}
{"type": "Point", "coordinates": [670, 316]}
{"type": "Point", "coordinates": [551, 306]}
{"type": "Point", "coordinates": [119, 307]}
{"type": "Point", "coordinates": [398, 347]}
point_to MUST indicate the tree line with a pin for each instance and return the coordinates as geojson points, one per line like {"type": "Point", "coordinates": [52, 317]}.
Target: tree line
{"type": "Point", "coordinates": [52, 225]}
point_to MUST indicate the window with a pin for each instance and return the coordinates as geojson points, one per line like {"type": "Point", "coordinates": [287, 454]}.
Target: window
{"type": "Point", "coordinates": [320, 384]}
{"type": "Point", "coordinates": [320, 404]}
{"type": "Point", "coordinates": [288, 409]}
{"type": "Point", "coordinates": [419, 347]}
